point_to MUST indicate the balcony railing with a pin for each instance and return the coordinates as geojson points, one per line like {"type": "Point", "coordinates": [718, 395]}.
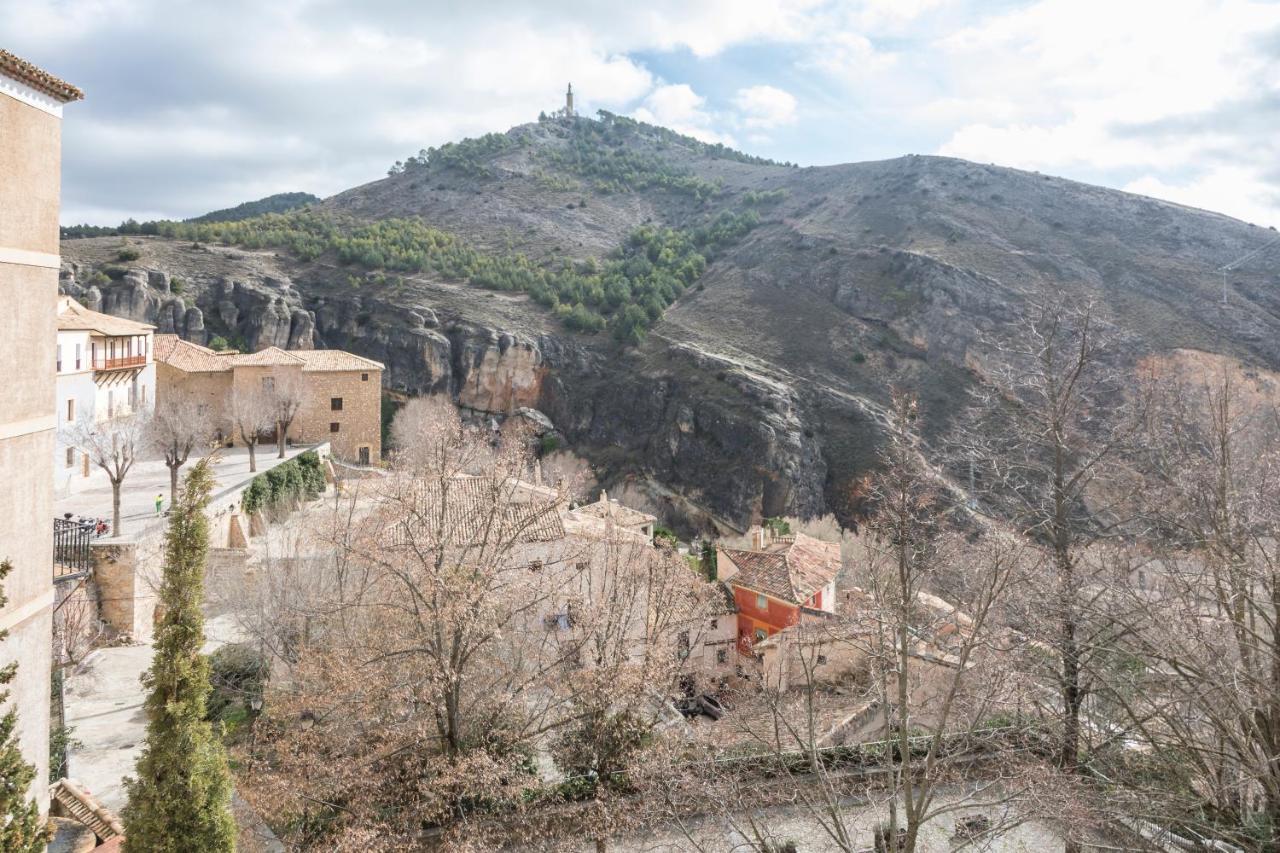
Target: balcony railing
{"type": "Point", "coordinates": [72, 558]}
{"type": "Point", "coordinates": [120, 362]}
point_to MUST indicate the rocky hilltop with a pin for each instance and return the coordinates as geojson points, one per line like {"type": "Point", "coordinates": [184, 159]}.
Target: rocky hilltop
{"type": "Point", "coordinates": [755, 389]}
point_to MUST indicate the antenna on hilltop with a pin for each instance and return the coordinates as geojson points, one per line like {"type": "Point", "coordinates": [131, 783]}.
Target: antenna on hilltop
{"type": "Point", "coordinates": [1234, 265]}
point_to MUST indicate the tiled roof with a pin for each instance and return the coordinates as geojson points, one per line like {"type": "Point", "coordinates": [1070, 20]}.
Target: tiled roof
{"type": "Point", "coordinates": [334, 359]}
{"type": "Point", "coordinates": [478, 508]}
{"type": "Point", "coordinates": [37, 78]}
{"type": "Point", "coordinates": [269, 357]}
{"type": "Point", "coordinates": [790, 571]}
{"type": "Point", "coordinates": [74, 317]}
{"type": "Point", "coordinates": [623, 516]}
{"type": "Point", "coordinates": [193, 358]}
{"type": "Point", "coordinates": [188, 357]}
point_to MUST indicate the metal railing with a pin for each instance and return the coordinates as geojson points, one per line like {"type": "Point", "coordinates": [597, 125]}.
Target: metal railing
{"type": "Point", "coordinates": [72, 558]}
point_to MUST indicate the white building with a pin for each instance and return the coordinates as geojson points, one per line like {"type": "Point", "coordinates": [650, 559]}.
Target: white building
{"type": "Point", "coordinates": [105, 369]}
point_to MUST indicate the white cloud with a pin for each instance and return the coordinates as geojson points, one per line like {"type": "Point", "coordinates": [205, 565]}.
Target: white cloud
{"type": "Point", "coordinates": [680, 108]}
{"type": "Point", "coordinates": [1225, 188]}
{"type": "Point", "coordinates": [765, 106]}
{"type": "Point", "coordinates": [1085, 86]}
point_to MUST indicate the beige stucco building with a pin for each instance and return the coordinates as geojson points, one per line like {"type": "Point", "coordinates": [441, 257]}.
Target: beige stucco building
{"type": "Point", "coordinates": [341, 393]}
{"type": "Point", "coordinates": [31, 102]}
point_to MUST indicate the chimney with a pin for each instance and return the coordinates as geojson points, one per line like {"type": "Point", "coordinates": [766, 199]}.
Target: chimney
{"type": "Point", "coordinates": [757, 538]}
{"type": "Point", "coordinates": [604, 496]}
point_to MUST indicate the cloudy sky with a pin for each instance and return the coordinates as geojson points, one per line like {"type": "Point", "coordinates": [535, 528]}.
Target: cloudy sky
{"type": "Point", "coordinates": [198, 105]}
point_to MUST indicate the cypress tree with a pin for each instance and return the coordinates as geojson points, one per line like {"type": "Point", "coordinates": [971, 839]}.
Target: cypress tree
{"type": "Point", "coordinates": [181, 798]}
{"type": "Point", "coordinates": [22, 830]}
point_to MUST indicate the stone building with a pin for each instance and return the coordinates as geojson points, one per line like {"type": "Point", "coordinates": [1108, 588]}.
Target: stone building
{"type": "Point", "coordinates": [105, 368]}
{"type": "Point", "coordinates": [31, 102]}
{"type": "Point", "coordinates": [341, 393]}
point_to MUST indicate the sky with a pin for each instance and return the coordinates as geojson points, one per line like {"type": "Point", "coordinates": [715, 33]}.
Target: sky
{"type": "Point", "coordinates": [194, 106]}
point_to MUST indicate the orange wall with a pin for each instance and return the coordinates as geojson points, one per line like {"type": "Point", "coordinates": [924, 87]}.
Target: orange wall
{"type": "Point", "coordinates": [775, 616]}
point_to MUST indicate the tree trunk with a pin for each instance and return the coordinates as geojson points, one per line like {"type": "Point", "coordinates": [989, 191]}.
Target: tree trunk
{"type": "Point", "coordinates": [115, 506]}
{"type": "Point", "coordinates": [253, 459]}
{"type": "Point", "coordinates": [280, 431]}
{"type": "Point", "coordinates": [173, 484]}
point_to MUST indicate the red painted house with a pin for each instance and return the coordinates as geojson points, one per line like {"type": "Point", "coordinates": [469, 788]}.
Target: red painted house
{"type": "Point", "coordinates": [775, 579]}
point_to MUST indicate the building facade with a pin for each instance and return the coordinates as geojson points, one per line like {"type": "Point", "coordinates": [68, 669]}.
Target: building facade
{"type": "Point", "coordinates": [31, 102]}
{"type": "Point", "coordinates": [341, 393]}
{"type": "Point", "coordinates": [104, 368]}
{"type": "Point", "coordinates": [775, 580]}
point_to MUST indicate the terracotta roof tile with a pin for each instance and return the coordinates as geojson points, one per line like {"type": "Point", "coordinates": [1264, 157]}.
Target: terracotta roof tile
{"type": "Point", "coordinates": [623, 516]}
{"type": "Point", "coordinates": [334, 360]}
{"type": "Point", "coordinates": [74, 317]}
{"type": "Point", "coordinates": [37, 78]}
{"type": "Point", "coordinates": [189, 357]}
{"type": "Point", "coordinates": [269, 357]}
{"type": "Point", "coordinates": [790, 571]}
{"type": "Point", "coordinates": [476, 508]}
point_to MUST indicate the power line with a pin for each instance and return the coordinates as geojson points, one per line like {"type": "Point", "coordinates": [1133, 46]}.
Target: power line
{"type": "Point", "coordinates": [1226, 268]}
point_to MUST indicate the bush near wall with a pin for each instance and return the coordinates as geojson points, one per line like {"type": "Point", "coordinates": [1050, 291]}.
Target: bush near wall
{"type": "Point", "coordinates": [301, 478]}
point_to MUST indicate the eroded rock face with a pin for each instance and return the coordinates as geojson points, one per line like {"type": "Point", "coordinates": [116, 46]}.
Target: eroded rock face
{"type": "Point", "coordinates": [496, 371]}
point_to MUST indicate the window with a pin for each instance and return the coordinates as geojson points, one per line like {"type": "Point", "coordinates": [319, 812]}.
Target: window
{"type": "Point", "coordinates": [364, 377]}
{"type": "Point", "coordinates": [133, 394]}
{"type": "Point", "coordinates": [71, 411]}
{"type": "Point", "coordinates": [682, 645]}
{"type": "Point", "coordinates": [71, 457]}
{"type": "Point", "coordinates": [715, 623]}
{"type": "Point", "coordinates": [722, 656]}
{"type": "Point", "coordinates": [269, 384]}
{"type": "Point", "coordinates": [77, 356]}
{"type": "Point", "coordinates": [535, 566]}
{"type": "Point", "coordinates": [761, 635]}
{"type": "Point", "coordinates": [111, 404]}
{"type": "Point", "coordinates": [822, 659]}
{"type": "Point", "coordinates": [57, 364]}
{"type": "Point", "coordinates": [364, 456]}
{"type": "Point", "coordinates": [333, 426]}
{"type": "Point", "coordinates": [144, 395]}
{"type": "Point", "coordinates": [762, 603]}
{"type": "Point", "coordinates": [335, 404]}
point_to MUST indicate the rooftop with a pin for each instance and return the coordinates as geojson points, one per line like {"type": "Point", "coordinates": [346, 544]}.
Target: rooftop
{"type": "Point", "coordinates": [623, 516]}
{"type": "Point", "coordinates": [74, 317]}
{"type": "Point", "coordinates": [193, 358]}
{"type": "Point", "coordinates": [791, 569]}
{"type": "Point", "coordinates": [37, 78]}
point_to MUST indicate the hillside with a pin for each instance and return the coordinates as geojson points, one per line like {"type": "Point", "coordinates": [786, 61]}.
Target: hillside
{"type": "Point", "coordinates": [716, 330]}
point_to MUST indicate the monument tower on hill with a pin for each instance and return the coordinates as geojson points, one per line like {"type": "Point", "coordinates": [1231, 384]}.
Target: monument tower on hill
{"type": "Point", "coordinates": [568, 103]}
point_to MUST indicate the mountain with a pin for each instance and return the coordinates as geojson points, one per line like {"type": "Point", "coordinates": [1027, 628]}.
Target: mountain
{"type": "Point", "coordinates": [278, 203]}
{"type": "Point", "coordinates": [714, 331]}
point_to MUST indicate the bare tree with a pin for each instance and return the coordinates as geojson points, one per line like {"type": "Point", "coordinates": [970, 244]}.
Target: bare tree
{"type": "Point", "coordinates": [937, 667]}
{"type": "Point", "coordinates": [1205, 668]}
{"type": "Point", "coordinates": [1038, 452]}
{"type": "Point", "coordinates": [285, 395]}
{"type": "Point", "coordinates": [178, 426]}
{"type": "Point", "coordinates": [113, 445]}
{"type": "Point", "coordinates": [252, 412]}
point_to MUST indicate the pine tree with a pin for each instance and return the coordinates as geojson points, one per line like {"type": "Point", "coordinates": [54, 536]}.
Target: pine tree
{"type": "Point", "coordinates": [22, 830]}
{"type": "Point", "coordinates": [181, 798]}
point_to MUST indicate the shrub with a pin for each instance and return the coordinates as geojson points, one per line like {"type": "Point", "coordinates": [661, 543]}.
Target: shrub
{"type": "Point", "coordinates": [218, 343]}
{"type": "Point", "coordinates": [128, 254]}
{"type": "Point", "coordinates": [236, 675]}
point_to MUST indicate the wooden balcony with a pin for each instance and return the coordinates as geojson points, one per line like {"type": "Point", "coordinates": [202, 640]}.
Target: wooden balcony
{"type": "Point", "coordinates": [123, 362]}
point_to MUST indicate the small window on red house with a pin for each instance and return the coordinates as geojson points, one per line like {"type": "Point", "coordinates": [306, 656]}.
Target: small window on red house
{"type": "Point", "coordinates": [761, 635]}
{"type": "Point", "coordinates": [762, 602]}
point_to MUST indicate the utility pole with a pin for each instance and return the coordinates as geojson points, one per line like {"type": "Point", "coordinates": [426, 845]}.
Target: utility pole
{"type": "Point", "coordinates": [1226, 268]}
